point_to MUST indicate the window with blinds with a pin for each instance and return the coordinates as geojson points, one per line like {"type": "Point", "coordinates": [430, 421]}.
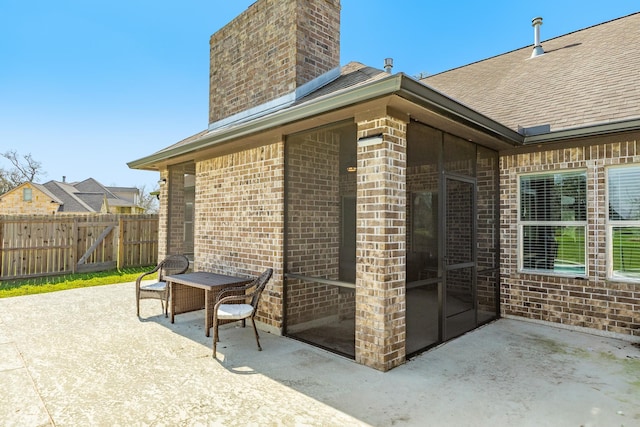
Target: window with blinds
{"type": "Point", "coordinates": [624, 221]}
{"type": "Point", "coordinates": [552, 223]}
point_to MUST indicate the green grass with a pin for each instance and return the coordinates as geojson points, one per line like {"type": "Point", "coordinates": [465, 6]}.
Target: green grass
{"type": "Point", "coordinates": [39, 285]}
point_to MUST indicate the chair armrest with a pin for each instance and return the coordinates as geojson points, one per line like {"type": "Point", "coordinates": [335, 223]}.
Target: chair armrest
{"type": "Point", "coordinates": [230, 298]}
{"type": "Point", "coordinates": [139, 279]}
{"type": "Point", "coordinates": [236, 289]}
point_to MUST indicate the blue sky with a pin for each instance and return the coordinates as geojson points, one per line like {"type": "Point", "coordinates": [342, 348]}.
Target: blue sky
{"type": "Point", "coordinates": [89, 85]}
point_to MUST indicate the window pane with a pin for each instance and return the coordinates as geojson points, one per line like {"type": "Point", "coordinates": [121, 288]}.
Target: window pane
{"type": "Point", "coordinates": [624, 193]}
{"type": "Point", "coordinates": [626, 251]}
{"type": "Point", "coordinates": [553, 197]}
{"type": "Point", "coordinates": [26, 194]}
{"type": "Point", "coordinates": [558, 249]}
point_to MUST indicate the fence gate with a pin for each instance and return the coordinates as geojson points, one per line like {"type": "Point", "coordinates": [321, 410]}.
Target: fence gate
{"type": "Point", "coordinates": [97, 248]}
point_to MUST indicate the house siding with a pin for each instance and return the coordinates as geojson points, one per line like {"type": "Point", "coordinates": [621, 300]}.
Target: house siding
{"type": "Point", "coordinates": [239, 220]}
{"type": "Point", "coordinates": [595, 302]}
{"type": "Point", "coordinates": [12, 203]}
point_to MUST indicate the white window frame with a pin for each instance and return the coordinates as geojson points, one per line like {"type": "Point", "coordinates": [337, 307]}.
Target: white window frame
{"type": "Point", "coordinates": [522, 224]}
{"type": "Point", "coordinates": [29, 191]}
{"type": "Point", "coordinates": [611, 224]}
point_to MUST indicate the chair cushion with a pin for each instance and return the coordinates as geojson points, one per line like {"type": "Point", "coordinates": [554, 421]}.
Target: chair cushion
{"type": "Point", "coordinates": [234, 311]}
{"type": "Point", "coordinates": [158, 286]}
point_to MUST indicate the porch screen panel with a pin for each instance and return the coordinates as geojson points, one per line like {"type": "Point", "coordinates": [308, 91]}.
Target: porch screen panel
{"type": "Point", "coordinates": [424, 152]}
{"type": "Point", "coordinates": [320, 243]}
{"type": "Point", "coordinates": [552, 223]}
{"type": "Point", "coordinates": [624, 222]}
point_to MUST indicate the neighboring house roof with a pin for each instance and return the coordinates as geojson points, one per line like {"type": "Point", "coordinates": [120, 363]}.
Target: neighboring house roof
{"type": "Point", "coordinates": [120, 203]}
{"type": "Point", "coordinates": [131, 194]}
{"type": "Point", "coordinates": [66, 193]}
{"type": "Point", "coordinates": [84, 196]}
{"type": "Point", "coordinates": [93, 200]}
{"type": "Point", "coordinates": [90, 185]}
{"type": "Point", "coordinates": [122, 189]}
{"type": "Point", "coordinates": [586, 77]}
{"type": "Point", "coordinates": [46, 191]}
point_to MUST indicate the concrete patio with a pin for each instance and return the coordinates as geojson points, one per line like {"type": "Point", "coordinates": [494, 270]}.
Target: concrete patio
{"type": "Point", "coordinates": [82, 358]}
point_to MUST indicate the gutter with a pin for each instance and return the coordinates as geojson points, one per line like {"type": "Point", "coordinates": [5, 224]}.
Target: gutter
{"type": "Point", "coordinates": [419, 93]}
{"type": "Point", "coordinates": [585, 131]}
{"type": "Point", "coordinates": [398, 84]}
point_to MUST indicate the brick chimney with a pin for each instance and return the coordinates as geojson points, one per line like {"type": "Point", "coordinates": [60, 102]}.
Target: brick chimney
{"type": "Point", "coordinates": [270, 50]}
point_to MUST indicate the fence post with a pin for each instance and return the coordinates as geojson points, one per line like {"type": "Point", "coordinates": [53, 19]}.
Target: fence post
{"type": "Point", "coordinates": [120, 255]}
{"type": "Point", "coordinates": [74, 247]}
{"type": "Point", "coordinates": [1, 245]}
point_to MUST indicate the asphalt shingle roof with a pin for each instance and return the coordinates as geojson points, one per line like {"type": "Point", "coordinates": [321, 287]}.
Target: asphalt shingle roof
{"type": "Point", "coordinates": [351, 75]}
{"type": "Point", "coordinates": [586, 77]}
{"type": "Point", "coordinates": [83, 196]}
{"type": "Point", "coordinates": [64, 192]}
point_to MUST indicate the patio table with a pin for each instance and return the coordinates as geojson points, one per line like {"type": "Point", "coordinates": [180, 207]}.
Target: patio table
{"type": "Point", "coordinates": [198, 290]}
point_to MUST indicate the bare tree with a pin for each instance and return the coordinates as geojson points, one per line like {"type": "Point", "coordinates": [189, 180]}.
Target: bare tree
{"type": "Point", "coordinates": [148, 200]}
{"type": "Point", "coordinates": [24, 169]}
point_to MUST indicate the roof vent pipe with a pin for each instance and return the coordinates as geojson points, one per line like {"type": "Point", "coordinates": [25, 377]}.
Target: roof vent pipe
{"type": "Point", "coordinates": [388, 64]}
{"type": "Point", "coordinates": [537, 47]}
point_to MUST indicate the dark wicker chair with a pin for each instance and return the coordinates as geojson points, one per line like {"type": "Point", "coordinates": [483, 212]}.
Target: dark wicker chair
{"type": "Point", "coordinates": [173, 264]}
{"type": "Point", "coordinates": [239, 303]}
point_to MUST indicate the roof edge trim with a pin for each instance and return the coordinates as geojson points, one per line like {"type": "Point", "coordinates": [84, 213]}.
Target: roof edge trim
{"type": "Point", "coordinates": [585, 131]}
{"type": "Point", "coordinates": [399, 84]}
{"type": "Point", "coordinates": [452, 109]}
{"type": "Point", "coordinates": [309, 109]}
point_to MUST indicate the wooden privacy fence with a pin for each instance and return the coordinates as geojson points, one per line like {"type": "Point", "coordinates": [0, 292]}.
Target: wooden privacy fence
{"type": "Point", "coordinates": [40, 245]}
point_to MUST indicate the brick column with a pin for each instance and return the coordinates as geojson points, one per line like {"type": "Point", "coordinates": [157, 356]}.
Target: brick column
{"type": "Point", "coordinates": [163, 217]}
{"type": "Point", "coordinates": [175, 210]}
{"type": "Point", "coordinates": [381, 242]}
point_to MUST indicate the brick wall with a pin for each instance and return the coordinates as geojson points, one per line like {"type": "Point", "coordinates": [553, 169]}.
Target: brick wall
{"type": "Point", "coordinates": [380, 246]}
{"type": "Point", "coordinates": [12, 202]}
{"type": "Point", "coordinates": [239, 220]}
{"type": "Point", "coordinates": [487, 174]}
{"type": "Point", "coordinates": [596, 302]}
{"type": "Point", "coordinates": [269, 50]}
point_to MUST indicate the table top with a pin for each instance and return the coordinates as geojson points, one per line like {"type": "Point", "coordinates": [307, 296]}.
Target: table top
{"type": "Point", "coordinates": [206, 280]}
